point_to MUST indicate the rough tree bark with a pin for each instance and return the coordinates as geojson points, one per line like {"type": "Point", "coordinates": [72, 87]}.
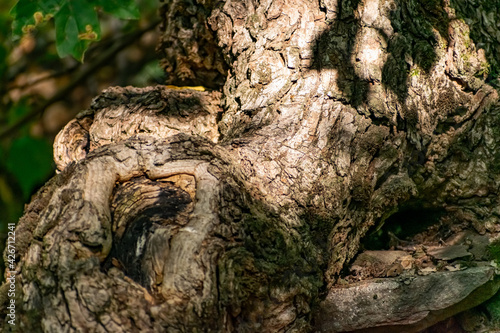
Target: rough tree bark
{"type": "Point", "coordinates": [246, 209]}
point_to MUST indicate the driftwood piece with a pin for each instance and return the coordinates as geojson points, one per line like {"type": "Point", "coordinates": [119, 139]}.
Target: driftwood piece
{"type": "Point", "coordinates": [406, 304]}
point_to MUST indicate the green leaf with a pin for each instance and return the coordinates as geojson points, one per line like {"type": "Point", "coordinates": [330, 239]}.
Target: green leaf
{"type": "Point", "coordinates": [25, 11]}
{"type": "Point", "coordinates": [77, 26]}
{"type": "Point", "coordinates": [22, 13]}
{"type": "Point", "coordinates": [30, 162]}
{"type": "Point", "coordinates": [124, 9]}
{"type": "Point", "coordinates": [76, 21]}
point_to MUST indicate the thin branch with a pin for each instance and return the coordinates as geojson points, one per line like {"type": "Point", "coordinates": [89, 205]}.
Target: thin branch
{"type": "Point", "coordinates": [81, 76]}
{"type": "Point", "coordinates": [43, 78]}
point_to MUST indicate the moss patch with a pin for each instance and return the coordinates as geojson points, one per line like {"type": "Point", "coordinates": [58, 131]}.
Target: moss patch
{"type": "Point", "coordinates": [274, 260]}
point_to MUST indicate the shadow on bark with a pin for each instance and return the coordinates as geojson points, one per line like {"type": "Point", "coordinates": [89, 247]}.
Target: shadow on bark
{"type": "Point", "coordinates": [417, 28]}
{"type": "Point", "coordinates": [482, 16]}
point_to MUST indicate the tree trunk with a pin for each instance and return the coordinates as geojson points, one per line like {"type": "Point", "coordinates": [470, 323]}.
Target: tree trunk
{"type": "Point", "coordinates": [178, 210]}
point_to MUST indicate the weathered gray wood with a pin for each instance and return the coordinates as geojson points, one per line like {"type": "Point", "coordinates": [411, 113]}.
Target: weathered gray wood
{"type": "Point", "coordinates": [406, 305]}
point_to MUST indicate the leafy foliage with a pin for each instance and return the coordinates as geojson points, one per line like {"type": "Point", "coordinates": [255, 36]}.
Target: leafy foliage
{"type": "Point", "coordinates": [26, 152]}
{"type": "Point", "coordinates": [76, 21]}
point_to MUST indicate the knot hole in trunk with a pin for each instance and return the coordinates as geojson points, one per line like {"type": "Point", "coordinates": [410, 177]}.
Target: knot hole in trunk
{"type": "Point", "coordinates": [146, 215]}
